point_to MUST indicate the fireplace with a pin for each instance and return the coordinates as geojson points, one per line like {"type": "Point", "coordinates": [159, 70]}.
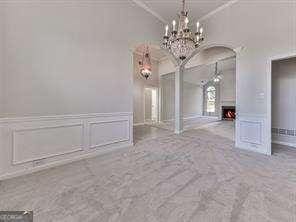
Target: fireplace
{"type": "Point", "coordinates": [228, 112]}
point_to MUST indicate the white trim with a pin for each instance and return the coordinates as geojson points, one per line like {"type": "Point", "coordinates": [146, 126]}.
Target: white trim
{"type": "Point", "coordinates": [222, 7]}
{"type": "Point", "coordinates": [112, 141]}
{"type": "Point", "coordinates": [73, 150]}
{"type": "Point", "coordinates": [284, 143]}
{"type": "Point", "coordinates": [63, 162]}
{"type": "Point", "coordinates": [269, 92]}
{"type": "Point", "coordinates": [151, 11]}
{"type": "Point", "coordinates": [138, 124]}
{"type": "Point", "coordinates": [260, 146]}
{"type": "Point", "coordinates": [62, 117]}
{"type": "Point", "coordinates": [164, 21]}
{"type": "Point", "coordinates": [8, 126]}
{"type": "Point", "coordinates": [148, 121]}
{"type": "Point", "coordinates": [192, 117]}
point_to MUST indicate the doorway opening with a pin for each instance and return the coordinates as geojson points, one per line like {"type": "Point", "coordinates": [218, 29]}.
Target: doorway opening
{"type": "Point", "coordinates": [151, 105]}
{"type": "Point", "coordinates": [283, 106]}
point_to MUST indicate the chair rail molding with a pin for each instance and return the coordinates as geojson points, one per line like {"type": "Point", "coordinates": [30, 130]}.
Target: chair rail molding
{"type": "Point", "coordinates": [29, 144]}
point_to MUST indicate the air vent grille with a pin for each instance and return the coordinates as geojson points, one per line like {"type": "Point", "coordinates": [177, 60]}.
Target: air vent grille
{"type": "Point", "coordinates": [280, 131]}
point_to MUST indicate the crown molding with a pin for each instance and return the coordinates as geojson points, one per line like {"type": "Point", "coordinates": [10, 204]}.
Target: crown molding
{"type": "Point", "coordinates": [144, 6]}
{"type": "Point", "coordinates": [222, 7]}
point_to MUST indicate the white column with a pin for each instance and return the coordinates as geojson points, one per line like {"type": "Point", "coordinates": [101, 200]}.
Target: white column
{"type": "Point", "coordinates": [179, 100]}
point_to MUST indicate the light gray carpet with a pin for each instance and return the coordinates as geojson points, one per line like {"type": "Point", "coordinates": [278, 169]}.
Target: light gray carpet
{"type": "Point", "coordinates": [196, 177]}
{"type": "Point", "coordinates": [191, 123]}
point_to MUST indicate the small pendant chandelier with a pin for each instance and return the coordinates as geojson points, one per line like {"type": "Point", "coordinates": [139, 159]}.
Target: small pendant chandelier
{"type": "Point", "coordinates": [145, 64]}
{"type": "Point", "coordinates": [181, 42]}
{"type": "Point", "coordinates": [217, 75]}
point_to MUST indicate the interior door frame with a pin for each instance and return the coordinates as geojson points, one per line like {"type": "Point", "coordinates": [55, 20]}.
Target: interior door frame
{"type": "Point", "coordinates": [269, 95]}
{"type": "Point", "coordinates": [158, 105]}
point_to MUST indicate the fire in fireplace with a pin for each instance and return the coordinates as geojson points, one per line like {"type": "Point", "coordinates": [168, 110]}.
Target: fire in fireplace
{"type": "Point", "coordinates": [228, 112]}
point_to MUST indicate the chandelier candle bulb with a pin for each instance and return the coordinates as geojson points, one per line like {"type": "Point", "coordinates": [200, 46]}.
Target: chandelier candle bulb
{"type": "Point", "coordinates": [201, 30]}
{"type": "Point", "coordinates": [197, 26]}
{"type": "Point", "coordinates": [182, 42]}
{"type": "Point", "coordinates": [186, 22]}
{"type": "Point", "coordinates": [174, 25]}
{"type": "Point", "coordinates": [166, 30]}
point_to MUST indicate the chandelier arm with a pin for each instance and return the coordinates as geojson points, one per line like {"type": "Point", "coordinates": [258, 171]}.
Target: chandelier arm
{"type": "Point", "coordinates": [194, 53]}
{"type": "Point", "coordinates": [182, 42]}
{"type": "Point", "coordinates": [172, 57]}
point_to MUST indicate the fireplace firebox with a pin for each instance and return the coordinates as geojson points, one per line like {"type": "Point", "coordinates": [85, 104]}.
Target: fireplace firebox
{"type": "Point", "coordinates": [228, 112]}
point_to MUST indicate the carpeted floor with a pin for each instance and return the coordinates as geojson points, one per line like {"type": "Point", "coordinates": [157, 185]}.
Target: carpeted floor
{"type": "Point", "coordinates": [191, 123]}
{"type": "Point", "coordinates": [194, 177]}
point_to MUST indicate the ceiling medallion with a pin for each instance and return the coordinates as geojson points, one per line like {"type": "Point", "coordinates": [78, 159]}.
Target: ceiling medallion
{"type": "Point", "coordinates": [145, 64]}
{"type": "Point", "coordinates": [181, 42]}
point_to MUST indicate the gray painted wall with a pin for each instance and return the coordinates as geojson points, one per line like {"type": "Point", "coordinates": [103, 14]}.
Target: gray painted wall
{"type": "Point", "coordinates": [192, 98]}
{"type": "Point", "coordinates": [1, 58]}
{"type": "Point", "coordinates": [69, 57]}
{"type": "Point", "coordinates": [266, 29]}
{"type": "Point", "coordinates": [284, 97]}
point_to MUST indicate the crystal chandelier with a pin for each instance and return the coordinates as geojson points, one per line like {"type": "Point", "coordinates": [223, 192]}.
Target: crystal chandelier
{"type": "Point", "coordinates": [181, 42]}
{"type": "Point", "coordinates": [145, 64]}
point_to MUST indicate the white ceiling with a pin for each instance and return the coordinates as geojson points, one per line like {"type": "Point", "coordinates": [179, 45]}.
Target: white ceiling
{"type": "Point", "coordinates": [168, 9]}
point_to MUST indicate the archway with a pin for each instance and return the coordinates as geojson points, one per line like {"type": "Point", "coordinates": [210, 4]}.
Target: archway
{"type": "Point", "coordinates": [147, 103]}
{"type": "Point", "coordinates": [206, 55]}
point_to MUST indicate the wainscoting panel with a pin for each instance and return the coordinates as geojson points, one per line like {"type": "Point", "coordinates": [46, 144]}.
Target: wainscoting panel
{"type": "Point", "coordinates": [39, 143]}
{"type": "Point", "coordinates": [252, 133]}
{"type": "Point", "coordinates": [104, 133]}
{"type": "Point", "coordinates": [30, 144]}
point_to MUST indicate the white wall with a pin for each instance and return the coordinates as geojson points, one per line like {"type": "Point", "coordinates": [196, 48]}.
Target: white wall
{"type": "Point", "coordinates": [227, 84]}
{"type": "Point", "coordinates": [265, 29]}
{"type": "Point", "coordinates": [283, 99]}
{"type": "Point", "coordinates": [192, 98]}
{"type": "Point", "coordinates": [70, 57]}
{"type": "Point", "coordinates": [207, 56]}
{"type": "Point", "coordinates": [1, 58]}
{"type": "Point", "coordinates": [167, 96]}
{"type": "Point", "coordinates": [140, 83]}
{"type": "Point", "coordinates": [67, 57]}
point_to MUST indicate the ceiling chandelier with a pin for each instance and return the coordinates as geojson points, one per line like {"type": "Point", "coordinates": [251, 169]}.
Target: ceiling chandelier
{"type": "Point", "coordinates": [181, 42]}
{"type": "Point", "coordinates": [145, 64]}
{"type": "Point", "coordinates": [217, 75]}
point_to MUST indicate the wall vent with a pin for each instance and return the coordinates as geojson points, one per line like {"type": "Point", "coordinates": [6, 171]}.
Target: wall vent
{"type": "Point", "coordinates": [280, 131]}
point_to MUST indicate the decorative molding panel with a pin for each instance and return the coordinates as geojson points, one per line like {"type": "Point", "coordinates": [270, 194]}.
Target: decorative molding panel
{"type": "Point", "coordinates": [30, 144]}
{"type": "Point", "coordinates": [252, 133]}
{"type": "Point", "coordinates": [105, 133]}
{"type": "Point", "coordinates": [44, 142]}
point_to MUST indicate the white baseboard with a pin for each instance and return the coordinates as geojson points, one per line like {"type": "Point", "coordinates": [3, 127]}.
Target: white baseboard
{"type": "Point", "coordinates": [65, 161]}
{"type": "Point", "coordinates": [192, 117]}
{"type": "Point", "coordinates": [138, 124]}
{"type": "Point", "coordinates": [30, 144]}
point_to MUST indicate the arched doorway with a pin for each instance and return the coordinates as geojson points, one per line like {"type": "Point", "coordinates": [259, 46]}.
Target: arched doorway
{"type": "Point", "coordinates": [147, 93]}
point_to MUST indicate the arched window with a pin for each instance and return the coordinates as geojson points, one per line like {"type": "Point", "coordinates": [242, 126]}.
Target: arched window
{"type": "Point", "coordinates": [211, 99]}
